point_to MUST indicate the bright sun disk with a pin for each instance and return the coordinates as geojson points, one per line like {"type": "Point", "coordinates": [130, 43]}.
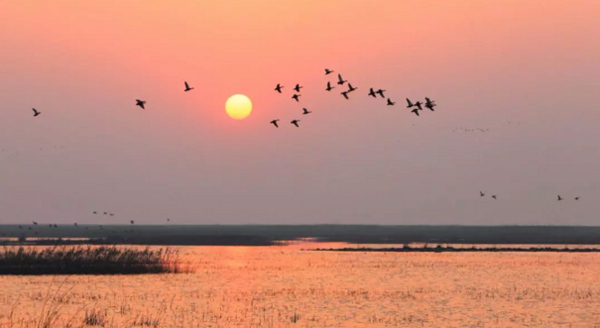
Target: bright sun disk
{"type": "Point", "coordinates": [238, 107]}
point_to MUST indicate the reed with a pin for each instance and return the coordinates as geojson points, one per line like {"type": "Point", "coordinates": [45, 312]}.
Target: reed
{"type": "Point", "coordinates": [64, 260]}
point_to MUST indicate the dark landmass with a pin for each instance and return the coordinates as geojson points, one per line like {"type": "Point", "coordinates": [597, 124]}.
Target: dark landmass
{"type": "Point", "coordinates": [260, 235]}
{"type": "Point", "coordinates": [450, 249]}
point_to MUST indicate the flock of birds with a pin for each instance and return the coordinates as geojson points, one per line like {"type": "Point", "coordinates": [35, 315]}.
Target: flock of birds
{"type": "Point", "coordinates": [415, 107]}
{"type": "Point", "coordinates": [559, 197]}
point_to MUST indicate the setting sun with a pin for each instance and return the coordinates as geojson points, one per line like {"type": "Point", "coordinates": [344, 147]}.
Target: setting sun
{"type": "Point", "coordinates": [238, 107]}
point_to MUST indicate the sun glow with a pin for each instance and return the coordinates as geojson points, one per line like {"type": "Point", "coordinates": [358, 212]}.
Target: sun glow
{"type": "Point", "coordinates": [238, 107]}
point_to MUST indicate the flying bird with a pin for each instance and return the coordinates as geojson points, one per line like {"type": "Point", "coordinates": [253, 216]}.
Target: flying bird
{"type": "Point", "coordinates": [75, 224]}
{"type": "Point", "coordinates": [329, 87]}
{"type": "Point", "coordinates": [295, 96]}
{"type": "Point", "coordinates": [410, 104]}
{"type": "Point", "coordinates": [131, 221]}
{"type": "Point", "coordinates": [494, 196]}
{"type": "Point", "coordinates": [418, 104]}
{"type": "Point", "coordinates": [105, 213]}
{"type": "Point", "coordinates": [95, 212]}
{"type": "Point", "coordinates": [305, 111]}
{"type": "Point", "coordinates": [416, 111]}
{"type": "Point", "coordinates": [481, 194]}
{"type": "Point", "coordinates": [34, 223]}
{"type": "Point", "coordinates": [274, 122]}
{"type": "Point", "coordinates": [390, 102]}
{"type": "Point", "coordinates": [429, 103]}
{"type": "Point", "coordinates": [351, 88]}
{"type": "Point", "coordinates": [140, 103]}
{"type": "Point", "coordinates": [372, 93]}
{"type": "Point", "coordinates": [328, 71]}
{"type": "Point", "coordinates": [345, 94]}
{"type": "Point", "coordinates": [559, 198]}
{"type": "Point", "coordinates": [35, 112]}
{"type": "Point", "coordinates": [298, 87]}
{"type": "Point", "coordinates": [380, 92]}
{"type": "Point", "coordinates": [187, 86]}
{"type": "Point", "coordinates": [577, 198]}
{"type": "Point", "coordinates": [295, 122]}
{"type": "Point", "coordinates": [341, 80]}
{"type": "Point", "coordinates": [278, 87]}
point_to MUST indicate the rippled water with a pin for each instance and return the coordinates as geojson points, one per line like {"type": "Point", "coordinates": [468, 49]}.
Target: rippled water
{"type": "Point", "coordinates": [285, 286]}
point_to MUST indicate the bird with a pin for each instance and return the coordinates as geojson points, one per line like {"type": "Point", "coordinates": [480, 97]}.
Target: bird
{"type": "Point", "coordinates": [168, 220]}
{"type": "Point", "coordinates": [416, 111]}
{"type": "Point", "coordinates": [380, 92]}
{"type": "Point", "coordinates": [95, 212]}
{"type": "Point", "coordinates": [132, 221]}
{"type": "Point", "coordinates": [341, 80]}
{"type": "Point", "coordinates": [305, 111]}
{"type": "Point", "coordinates": [140, 103]}
{"type": "Point", "coordinates": [418, 104]}
{"type": "Point", "coordinates": [56, 225]}
{"type": "Point", "coordinates": [390, 102]}
{"type": "Point", "coordinates": [328, 71]}
{"type": "Point", "coordinates": [295, 96]}
{"type": "Point", "coordinates": [298, 87]}
{"type": "Point", "coordinates": [372, 93]}
{"type": "Point", "coordinates": [577, 198]}
{"type": "Point", "coordinates": [351, 88]}
{"type": "Point", "coordinates": [559, 198]}
{"type": "Point", "coordinates": [35, 112]}
{"type": "Point", "coordinates": [274, 122]}
{"type": "Point", "coordinates": [494, 196]}
{"type": "Point", "coordinates": [111, 214]}
{"type": "Point", "coordinates": [429, 103]}
{"type": "Point", "coordinates": [410, 104]}
{"type": "Point", "coordinates": [295, 122]}
{"type": "Point", "coordinates": [75, 224]}
{"type": "Point", "coordinates": [34, 223]}
{"type": "Point", "coordinates": [278, 87]}
{"type": "Point", "coordinates": [329, 87]}
{"type": "Point", "coordinates": [345, 94]}
{"type": "Point", "coordinates": [481, 194]}
{"type": "Point", "coordinates": [105, 213]}
{"type": "Point", "coordinates": [187, 86]}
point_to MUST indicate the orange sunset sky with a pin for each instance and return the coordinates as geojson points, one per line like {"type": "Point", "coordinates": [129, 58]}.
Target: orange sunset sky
{"type": "Point", "coordinates": [527, 70]}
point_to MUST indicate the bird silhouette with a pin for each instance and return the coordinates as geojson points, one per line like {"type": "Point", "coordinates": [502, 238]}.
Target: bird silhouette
{"type": "Point", "coordinates": [351, 88]}
{"type": "Point", "coordinates": [111, 214]}
{"type": "Point", "coordinates": [34, 223]}
{"type": "Point", "coordinates": [274, 122]}
{"type": "Point", "coordinates": [95, 212]}
{"type": "Point", "coordinates": [341, 80]}
{"type": "Point", "coordinates": [295, 122]}
{"type": "Point", "coordinates": [416, 111]}
{"type": "Point", "coordinates": [429, 103]}
{"type": "Point", "coordinates": [295, 96]}
{"type": "Point", "coordinates": [168, 220]}
{"type": "Point", "coordinates": [494, 196]}
{"type": "Point", "coordinates": [345, 94]}
{"type": "Point", "coordinates": [481, 194]}
{"type": "Point", "coordinates": [559, 198]}
{"type": "Point", "coordinates": [577, 198]}
{"type": "Point", "coordinates": [75, 224]}
{"type": "Point", "coordinates": [418, 104]}
{"type": "Point", "coordinates": [105, 213]}
{"type": "Point", "coordinates": [298, 87]}
{"type": "Point", "coordinates": [132, 221]}
{"type": "Point", "coordinates": [329, 87]}
{"type": "Point", "coordinates": [35, 112]}
{"type": "Point", "coordinates": [56, 225]}
{"type": "Point", "coordinates": [187, 87]}
{"type": "Point", "coordinates": [140, 103]}
{"type": "Point", "coordinates": [305, 111]}
{"type": "Point", "coordinates": [390, 102]}
{"type": "Point", "coordinates": [410, 104]}
{"type": "Point", "coordinates": [328, 71]}
{"type": "Point", "coordinates": [372, 93]}
{"type": "Point", "coordinates": [278, 87]}
{"type": "Point", "coordinates": [380, 92]}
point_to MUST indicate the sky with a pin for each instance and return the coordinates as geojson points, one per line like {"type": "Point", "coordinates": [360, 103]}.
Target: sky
{"type": "Point", "coordinates": [527, 70]}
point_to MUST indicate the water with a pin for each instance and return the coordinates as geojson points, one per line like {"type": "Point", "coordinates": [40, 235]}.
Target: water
{"type": "Point", "coordinates": [284, 286]}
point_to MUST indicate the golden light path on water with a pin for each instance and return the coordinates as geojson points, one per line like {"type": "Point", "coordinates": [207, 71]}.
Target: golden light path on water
{"type": "Point", "coordinates": [284, 286]}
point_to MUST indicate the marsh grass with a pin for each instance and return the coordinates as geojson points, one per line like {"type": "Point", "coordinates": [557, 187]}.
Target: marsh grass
{"type": "Point", "coordinates": [65, 260]}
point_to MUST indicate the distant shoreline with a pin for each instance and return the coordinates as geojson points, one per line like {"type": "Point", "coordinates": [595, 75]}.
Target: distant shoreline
{"type": "Point", "coordinates": [447, 249]}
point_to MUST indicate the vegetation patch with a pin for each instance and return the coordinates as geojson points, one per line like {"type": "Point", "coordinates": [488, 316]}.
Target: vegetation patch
{"type": "Point", "coordinates": [87, 260]}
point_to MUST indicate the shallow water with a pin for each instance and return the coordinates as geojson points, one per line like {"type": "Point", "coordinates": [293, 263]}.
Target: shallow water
{"type": "Point", "coordinates": [284, 286]}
